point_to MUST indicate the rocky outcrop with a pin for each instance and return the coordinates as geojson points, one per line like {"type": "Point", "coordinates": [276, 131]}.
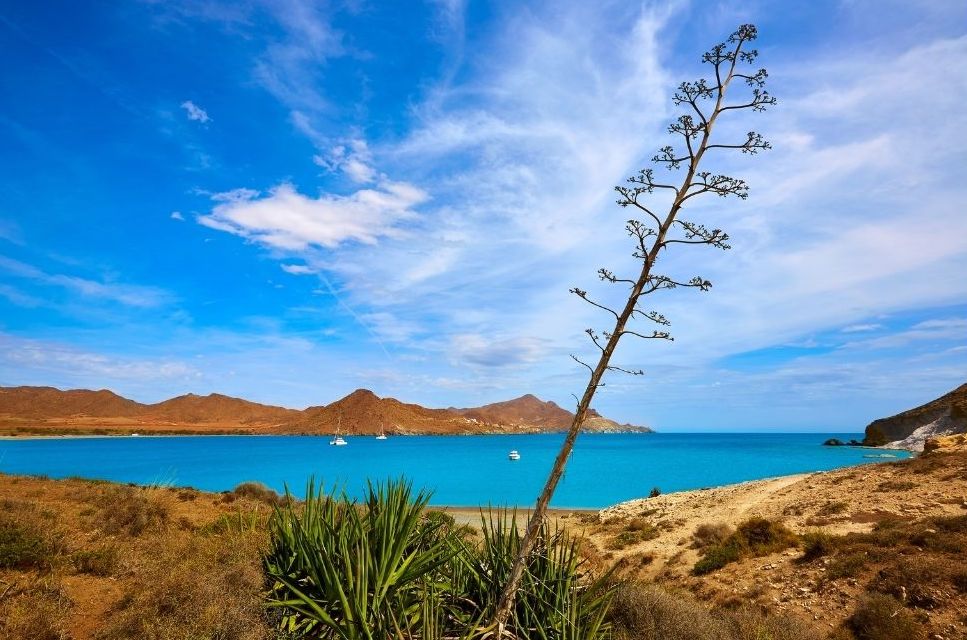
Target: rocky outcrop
{"type": "Point", "coordinates": [944, 416]}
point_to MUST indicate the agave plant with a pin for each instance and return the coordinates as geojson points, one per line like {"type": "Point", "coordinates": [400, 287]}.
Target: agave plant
{"type": "Point", "coordinates": [557, 600]}
{"type": "Point", "coordinates": [357, 571]}
{"type": "Point", "coordinates": [386, 569]}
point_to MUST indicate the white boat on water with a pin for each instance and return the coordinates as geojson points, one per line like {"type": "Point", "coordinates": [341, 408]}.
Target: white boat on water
{"type": "Point", "coordinates": [381, 436]}
{"type": "Point", "coordinates": [337, 439]}
{"type": "Point", "coordinates": [513, 455]}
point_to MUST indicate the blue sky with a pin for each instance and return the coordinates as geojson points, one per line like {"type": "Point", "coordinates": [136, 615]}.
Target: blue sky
{"type": "Point", "coordinates": [285, 200]}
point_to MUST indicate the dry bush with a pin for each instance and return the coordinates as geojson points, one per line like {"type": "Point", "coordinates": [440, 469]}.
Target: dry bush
{"type": "Point", "coordinates": [749, 622]}
{"type": "Point", "coordinates": [923, 582]}
{"type": "Point", "coordinates": [882, 617]}
{"type": "Point", "coordinates": [634, 532]}
{"type": "Point", "coordinates": [832, 508]}
{"type": "Point", "coordinates": [709, 534]}
{"type": "Point", "coordinates": [38, 612]}
{"type": "Point", "coordinates": [647, 612]}
{"type": "Point", "coordinates": [764, 536]}
{"type": "Point", "coordinates": [754, 537]}
{"type": "Point", "coordinates": [257, 491]}
{"type": "Point", "coordinates": [896, 485]}
{"type": "Point", "coordinates": [196, 587]}
{"type": "Point", "coordinates": [101, 561]}
{"type": "Point", "coordinates": [640, 612]}
{"type": "Point", "coordinates": [959, 579]}
{"type": "Point", "coordinates": [133, 510]}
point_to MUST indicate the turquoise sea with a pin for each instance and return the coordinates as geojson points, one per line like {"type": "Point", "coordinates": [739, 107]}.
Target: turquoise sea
{"type": "Point", "coordinates": [459, 470]}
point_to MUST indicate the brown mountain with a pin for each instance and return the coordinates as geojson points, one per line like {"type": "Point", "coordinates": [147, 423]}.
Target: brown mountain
{"type": "Point", "coordinates": [944, 416]}
{"type": "Point", "coordinates": [363, 412]}
{"type": "Point", "coordinates": [48, 402]}
{"type": "Point", "coordinates": [216, 408]}
{"type": "Point", "coordinates": [529, 411]}
{"type": "Point", "coordinates": [45, 409]}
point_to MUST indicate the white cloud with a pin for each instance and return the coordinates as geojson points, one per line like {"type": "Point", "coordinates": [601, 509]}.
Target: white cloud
{"type": "Point", "coordinates": [286, 219]}
{"type": "Point", "coordinates": [353, 158]}
{"type": "Point", "coordinates": [859, 328]}
{"type": "Point", "coordinates": [177, 215]}
{"type": "Point", "coordinates": [297, 269]}
{"type": "Point", "coordinates": [194, 112]}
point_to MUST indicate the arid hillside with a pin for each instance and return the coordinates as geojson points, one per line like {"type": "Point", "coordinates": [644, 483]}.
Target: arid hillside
{"type": "Point", "coordinates": [39, 410]}
{"type": "Point", "coordinates": [944, 416]}
{"type": "Point", "coordinates": [870, 545]}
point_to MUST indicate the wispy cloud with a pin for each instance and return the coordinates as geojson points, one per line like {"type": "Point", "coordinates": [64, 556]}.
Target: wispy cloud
{"type": "Point", "coordinates": [194, 112]}
{"type": "Point", "coordinates": [126, 294]}
{"type": "Point", "coordinates": [859, 328]}
{"type": "Point", "coordinates": [62, 360]}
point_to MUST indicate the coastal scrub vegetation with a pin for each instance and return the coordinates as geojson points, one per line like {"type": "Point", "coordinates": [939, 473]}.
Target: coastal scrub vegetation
{"type": "Point", "coordinates": [752, 538]}
{"type": "Point", "coordinates": [657, 226]}
{"type": "Point", "coordinates": [385, 567]}
{"type": "Point", "coordinates": [202, 573]}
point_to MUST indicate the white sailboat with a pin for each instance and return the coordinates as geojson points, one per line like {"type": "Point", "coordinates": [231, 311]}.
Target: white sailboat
{"type": "Point", "coordinates": [338, 440]}
{"type": "Point", "coordinates": [382, 432]}
{"type": "Point", "coordinates": [513, 455]}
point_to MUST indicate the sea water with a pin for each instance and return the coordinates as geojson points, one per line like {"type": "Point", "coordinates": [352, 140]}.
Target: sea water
{"type": "Point", "coordinates": [459, 470]}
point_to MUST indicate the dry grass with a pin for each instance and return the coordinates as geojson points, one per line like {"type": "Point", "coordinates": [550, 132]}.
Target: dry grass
{"type": "Point", "coordinates": [134, 510]}
{"type": "Point", "coordinates": [38, 611]}
{"type": "Point", "coordinates": [100, 561]}
{"type": "Point", "coordinates": [648, 612]}
{"type": "Point", "coordinates": [196, 588]}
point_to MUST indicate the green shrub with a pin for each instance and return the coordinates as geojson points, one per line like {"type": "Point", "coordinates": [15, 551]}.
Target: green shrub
{"type": "Point", "coordinates": [717, 556]}
{"type": "Point", "coordinates": [655, 492]}
{"type": "Point", "coordinates": [754, 537]}
{"type": "Point", "coordinates": [102, 561]}
{"type": "Point", "coordinates": [636, 531]}
{"type": "Point", "coordinates": [26, 545]}
{"type": "Point", "coordinates": [882, 617]}
{"type": "Point", "coordinates": [816, 544]}
{"type": "Point", "coordinates": [847, 566]}
{"type": "Point", "coordinates": [764, 536]}
{"type": "Point", "coordinates": [920, 582]}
